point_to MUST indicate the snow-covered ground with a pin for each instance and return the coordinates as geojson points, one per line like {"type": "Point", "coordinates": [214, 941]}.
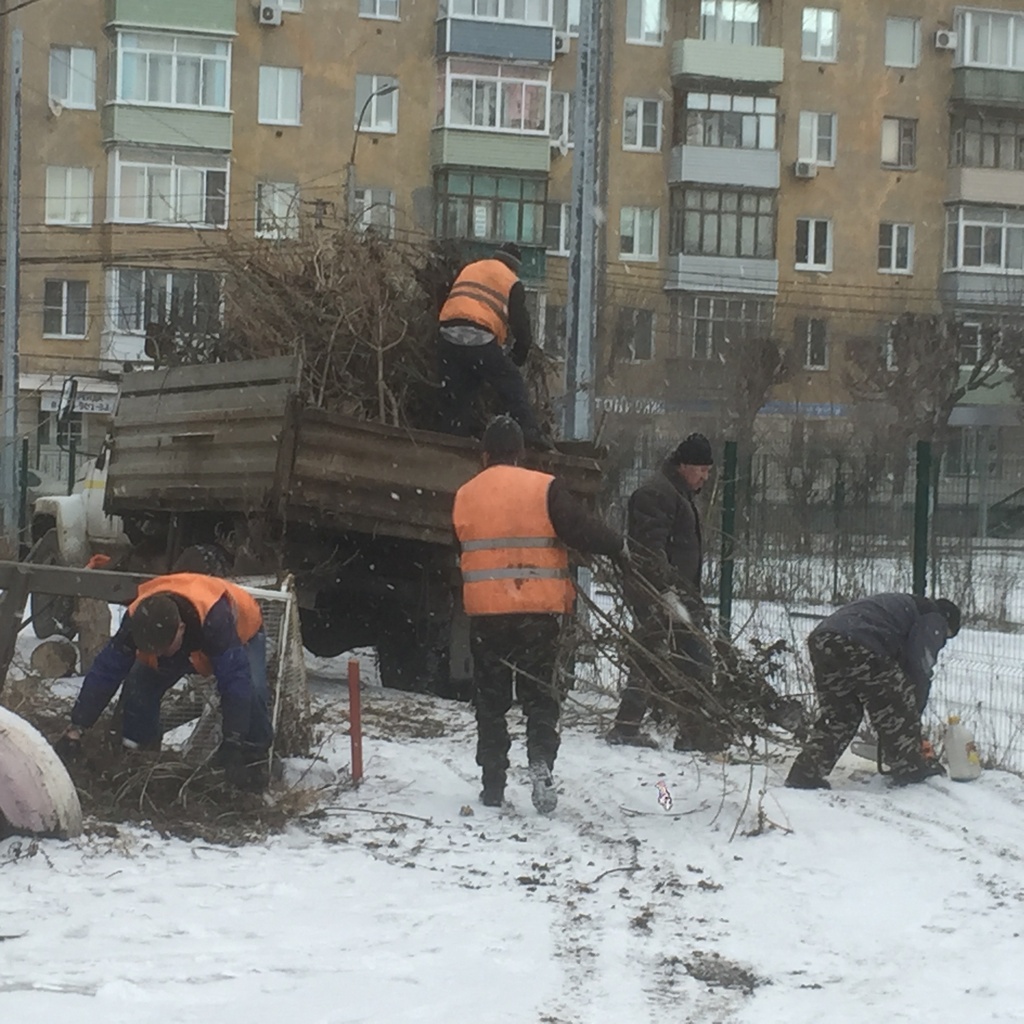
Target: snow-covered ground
{"type": "Point", "coordinates": [408, 901]}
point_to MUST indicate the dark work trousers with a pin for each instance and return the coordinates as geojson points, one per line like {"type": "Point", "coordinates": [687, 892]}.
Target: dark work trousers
{"type": "Point", "coordinates": [690, 658]}
{"type": "Point", "coordinates": [145, 686]}
{"type": "Point", "coordinates": [464, 370]}
{"type": "Point", "coordinates": [529, 643]}
{"type": "Point", "coordinates": [849, 680]}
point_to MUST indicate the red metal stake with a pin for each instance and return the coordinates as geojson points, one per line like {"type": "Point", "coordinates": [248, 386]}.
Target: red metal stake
{"type": "Point", "coordinates": [355, 721]}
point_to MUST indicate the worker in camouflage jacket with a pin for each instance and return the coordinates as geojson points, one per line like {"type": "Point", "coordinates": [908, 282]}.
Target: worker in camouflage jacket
{"type": "Point", "coordinates": [875, 655]}
{"type": "Point", "coordinates": [664, 594]}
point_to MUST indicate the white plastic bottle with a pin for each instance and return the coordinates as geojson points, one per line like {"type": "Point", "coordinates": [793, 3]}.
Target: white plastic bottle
{"type": "Point", "coordinates": [961, 753]}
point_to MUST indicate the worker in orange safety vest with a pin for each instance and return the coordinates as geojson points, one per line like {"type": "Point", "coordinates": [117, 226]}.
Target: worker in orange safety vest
{"type": "Point", "coordinates": [484, 337]}
{"type": "Point", "coordinates": [514, 526]}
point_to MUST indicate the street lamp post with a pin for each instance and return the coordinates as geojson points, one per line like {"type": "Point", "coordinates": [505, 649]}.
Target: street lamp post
{"type": "Point", "coordinates": [350, 167]}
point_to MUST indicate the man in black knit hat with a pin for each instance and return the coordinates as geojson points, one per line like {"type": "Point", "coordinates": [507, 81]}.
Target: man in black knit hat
{"type": "Point", "coordinates": [875, 655]}
{"type": "Point", "coordinates": [670, 619]}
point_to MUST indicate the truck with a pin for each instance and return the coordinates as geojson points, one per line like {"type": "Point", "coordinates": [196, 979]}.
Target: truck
{"type": "Point", "coordinates": [230, 457]}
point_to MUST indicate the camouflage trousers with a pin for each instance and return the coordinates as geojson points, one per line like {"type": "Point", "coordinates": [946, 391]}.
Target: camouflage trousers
{"type": "Point", "coordinates": [849, 680]}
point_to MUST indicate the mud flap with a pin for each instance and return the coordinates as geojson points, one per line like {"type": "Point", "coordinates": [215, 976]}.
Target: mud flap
{"type": "Point", "coordinates": [37, 795]}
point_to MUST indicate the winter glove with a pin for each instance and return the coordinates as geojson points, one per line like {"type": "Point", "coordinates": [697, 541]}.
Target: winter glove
{"type": "Point", "coordinates": [622, 561]}
{"type": "Point", "coordinates": [69, 746]}
{"type": "Point", "coordinates": [677, 611]}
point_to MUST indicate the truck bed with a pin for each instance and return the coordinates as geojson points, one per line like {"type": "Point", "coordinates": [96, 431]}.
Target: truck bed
{"type": "Point", "coordinates": [235, 437]}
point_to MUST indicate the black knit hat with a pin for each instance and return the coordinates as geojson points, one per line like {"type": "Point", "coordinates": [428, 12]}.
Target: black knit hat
{"type": "Point", "coordinates": [155, 624]}
{"type": "Point", "coordinates": [510, 253]}
{"type": "Point", "coordinates": [503, 438]}
{"type": "Point", "coordinates": [951, 613]}
{"type": "Point", "coordinates": [694, 451]}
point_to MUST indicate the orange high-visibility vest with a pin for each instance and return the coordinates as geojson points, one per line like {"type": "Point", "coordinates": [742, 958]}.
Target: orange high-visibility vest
{"type": "Point", "coordinates": [512, 561]}
{"type": "Point", "coordinates": [480, 295]}
{"type": "Point", "coordinates": [203, 592]}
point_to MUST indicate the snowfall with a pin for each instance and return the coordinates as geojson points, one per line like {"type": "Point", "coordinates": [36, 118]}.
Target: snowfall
{"type": "Point", "coordinates": [406, 900]}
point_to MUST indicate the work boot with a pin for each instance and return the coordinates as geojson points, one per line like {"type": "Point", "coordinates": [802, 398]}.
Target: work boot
{"type": "Point", "coordinates": [622, 736]}
{"type": "Point", "coordinates": [787, 714]}
{"type": "Point", "coordinates": [918, 773]}
{"type": "Point", "coordinates": [545, 796]}
{"type": "Point", "coordinates": [493, 793]}
{"type": "Point", "coordinates": [802, 778]}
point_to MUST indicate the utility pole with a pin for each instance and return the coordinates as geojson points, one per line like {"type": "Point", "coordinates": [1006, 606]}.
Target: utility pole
{"type": "Point", "coordinates": [581, 311]}
{"type": "Point", "coordinates": [350, 167]}
{"type": "Point", "coordinates": [8, 441]}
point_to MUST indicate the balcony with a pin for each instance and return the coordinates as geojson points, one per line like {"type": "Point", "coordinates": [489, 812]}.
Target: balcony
{"type": "Point", "coordinates": [123, 348]}
{"type": "Point", "coordinates": [456, 147]}
{"type": "Point", "coordinates": [496, 39]}
{"type": "Point", "coordinates": [981, 289]}
{"type": "Point", "coordinates": [714, 165]}
{"type": "Point", "coordinates": [166, 126]}
{"type": "Point", "coordinates": [210, 16]}
{"type": "Point", "coordinates": [988, 86]}
{"type": "Point", "coordinates": [985, 185]}
{"type": "Point", "coordinates": [722, 274]}
{"type": "Point", "coordinates": [699, 58]}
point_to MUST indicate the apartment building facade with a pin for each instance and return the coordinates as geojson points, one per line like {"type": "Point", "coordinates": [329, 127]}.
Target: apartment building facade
{"type": "Point", "coordinates": [767, 169]}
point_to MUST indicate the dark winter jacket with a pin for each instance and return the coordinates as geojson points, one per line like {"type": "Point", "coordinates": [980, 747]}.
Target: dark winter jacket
{"type": "Point", "coordinates": [576, 527]}
{"type": "Point", "coordinates": [906, 629]}
{"type": "Point", "coordinates": [665, 536]}
{"type": "Point", "coordinates": [217, 638]}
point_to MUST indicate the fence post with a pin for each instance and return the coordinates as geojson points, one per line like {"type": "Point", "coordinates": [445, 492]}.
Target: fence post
{"type": "Point", "coordinates": [23, 493]}
{"type": "Point", "coordinates": [725, 581]}
{"type": "Point", "coordinates": [921, 501]}
{"type": "Point", "coordinates": [72, 458]}
{"type": "Point", "coordinates": [355, 721]}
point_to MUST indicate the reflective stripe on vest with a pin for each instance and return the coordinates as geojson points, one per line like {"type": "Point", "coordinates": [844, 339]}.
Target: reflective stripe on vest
{"type": "Point", "coordinates": [203, 592]}
{"type": "Point", "coordinates": [480, 295]}
{"type": "Point", "coordinates": [512, 561]}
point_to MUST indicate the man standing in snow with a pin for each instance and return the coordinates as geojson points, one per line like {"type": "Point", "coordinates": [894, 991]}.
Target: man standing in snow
{"type": "Point", "coordinates": [514, 526]}
{"type": "Point", "coordinates": [181, 623]}
{"type": "Point", "coordinates": [876, 655]}
{"type": "Point", "coordinates": [670, 618]}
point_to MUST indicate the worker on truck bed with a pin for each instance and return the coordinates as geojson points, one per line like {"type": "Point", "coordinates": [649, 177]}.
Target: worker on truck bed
{"type": "Point", "coordinates": [514, 526]}
{"type": "Point", "coordinates": [177, 624]}
{"type": "Point", "coordinates": [484, 337]}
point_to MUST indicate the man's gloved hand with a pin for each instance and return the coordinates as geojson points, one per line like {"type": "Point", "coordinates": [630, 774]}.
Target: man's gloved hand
{"type": "Point", "coordinates": [928, 750]}
{"type": "Point", "coordinates": [69, 746]}
{"type": "Point", "coordinates": [677, 611]}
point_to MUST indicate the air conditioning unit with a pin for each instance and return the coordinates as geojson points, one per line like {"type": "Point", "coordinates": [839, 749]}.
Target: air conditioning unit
{"type": "Point", "coordinates": [945, 39]}
{"type": "Point", "coordinates": [562, 42]}
{"type": "Point", "coordinates": [270, 13]}
{"type": "Point", "coordinates": [805, 169]}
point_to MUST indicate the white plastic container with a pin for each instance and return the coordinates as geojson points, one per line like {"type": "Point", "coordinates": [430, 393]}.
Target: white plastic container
{"type": "Point", "coordinates": [961, 753]}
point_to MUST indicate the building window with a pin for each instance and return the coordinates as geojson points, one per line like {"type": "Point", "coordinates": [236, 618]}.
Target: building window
{"type": "Point", "coordinates": [730, 21]}
{"type": "Point", "coordinates": [563, 109]}
{"type": "Point", "coordinates": [295, 6]}
{"type": "Point", "coordinates": [988, 142]}
{"type": "Point", "coordinates": [722, 222]}
{"type": "Point", "coordinates": [69, 196]}
{"type": "Point", "coordinates": [490, 207]}
{"type": "Point", "coordinates": [379, 111]}
{"type": "Point", "coordinates": [158, 187]}
{"type": "Point", "coordinates": [895, 248]}
{"type": "Point", "coordinates": [280, 95]}
{"type": "Point", "coordinates": [73, 77]}
{"type": "Point", "coordinates": [813, 244]}
{"type": "Point", "coordinates": [973, 452]}
{"type": "Point", "coordinates": [980, 238]}
{"type": "Point", "coordinates": [375, 211]}
{"type": "Point", "coordinates": [645, 21]}
{"type": "Point", "coordinates": [636, 333]}
{"type": "Point", "coordinates": [709, 324]}
{"type": "Point", "coordinates": [186, 300]}
{"type": "Point", "coordinates": [968, 338]}
{"type": "Point", "coordinates": [556, 229]}
{"type": "Point", "coordinates": [173, 71]}
{"type": "Point", "coordinates": [641, 125]}
{"type": "Point", "coordinates": [902, 42]}
{"type": "Point", "coordinates": [732, 122]}
{"type": "Point", "coordinates": [495, 97]}
{"type": "Point", "coordinates": [277, 210]}
{"type": "Point", "coordinates": [378, 8]}
{"type": "Point", "coordinates": [820, 34]}
{"type": "Point", "coordinates": [817, 138]}
{"type": "Point", "coordinates": [638, 232]}
{"type": "Point", "coordinates": [991, 39]}
{"type": "Point", "coordinates": [812, 341]}
{"type": "Point", "coordinates": [567, 16]}
{"type": "Point", "coordinates": [531, 11]}
{"type": "Point", "coordinates": [64, 306]}
{"type": "Point", "coordinates": [899, 142]}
